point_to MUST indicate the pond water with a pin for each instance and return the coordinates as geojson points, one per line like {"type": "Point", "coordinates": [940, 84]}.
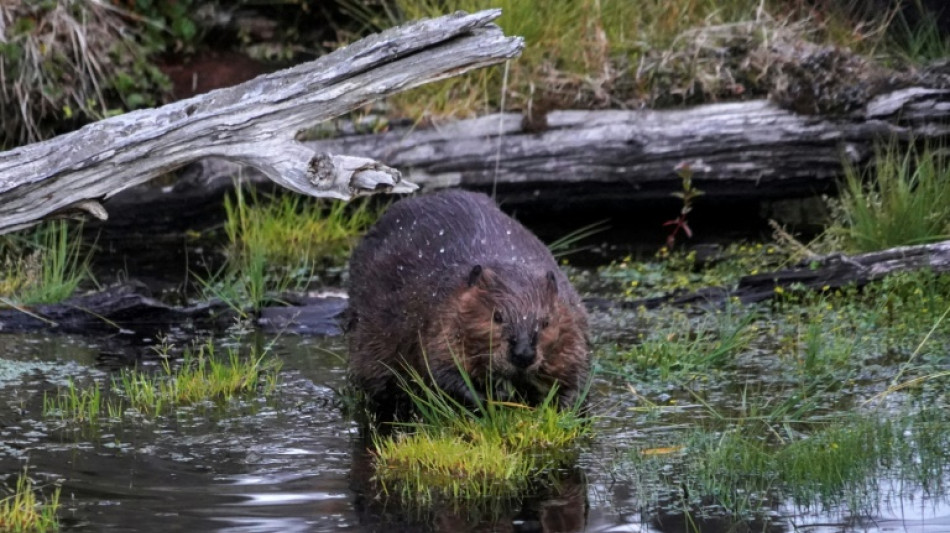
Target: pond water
{"type": "Point", "coordinates": [295, 462]}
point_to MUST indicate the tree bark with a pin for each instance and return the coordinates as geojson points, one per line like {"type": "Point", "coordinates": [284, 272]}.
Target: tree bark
{"type": "Point", "coordinates": [748, 150]}
{"type": "Point", "coordinates": [254, 123]}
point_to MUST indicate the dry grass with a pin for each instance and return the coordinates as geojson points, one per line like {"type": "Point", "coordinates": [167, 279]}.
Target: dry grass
{"type": "Point", "coordinates": [620, 54]}
{"type": "Point", "coordinates": [66, 62]}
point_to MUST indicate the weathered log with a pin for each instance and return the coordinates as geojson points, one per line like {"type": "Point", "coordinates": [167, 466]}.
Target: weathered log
{"type": "Point", "coordinates": [748, 150]}
{"type": "Point", "coordinates": [254, 123]}
{"type": "Point", "coordinates": [824, 273]}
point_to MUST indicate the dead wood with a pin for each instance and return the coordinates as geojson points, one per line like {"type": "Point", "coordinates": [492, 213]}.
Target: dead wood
{"type": "Point", "coordinates": [747, 150]}
{"type": "Point", "coordinates": [254, 123]}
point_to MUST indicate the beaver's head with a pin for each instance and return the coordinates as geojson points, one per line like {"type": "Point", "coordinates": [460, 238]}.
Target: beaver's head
{"type": "Point", "coordinates": [509, 320]}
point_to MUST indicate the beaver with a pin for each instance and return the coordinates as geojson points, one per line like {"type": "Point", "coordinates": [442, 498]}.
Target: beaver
{"type": "Point", "coordinates": [447, 281]}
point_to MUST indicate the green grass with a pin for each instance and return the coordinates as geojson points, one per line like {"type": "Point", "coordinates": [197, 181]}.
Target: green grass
{"type": "Point", "coordinates": [292, 231]}
{"type": "Point", "coordinates": [919, 44]}
{"type": "Point", "coordinates": [570, 242]}
{"type": "Point", "coordinates": [903, 199]}
{"type": "Point", "coordinates": [81, 405]}
{"type": "Point", "coordinates": [614, 53]}
{"type": "Point", "coordinates": [496, 450]}
{"type": "Point", "coordinates": [43, 265]}
{"type": "Point", "coordinates": [744, 468]}
{"type": "Point", "coordinates": [201, 376]}
{"type": "Point", "coordinates": [276, 244]}
{"type": "Point", "coordinates": [775, 419]}
{"type": "Point", "coordinates": [683, 348]}
{"type": "Point", "coordinates": [21, 512]}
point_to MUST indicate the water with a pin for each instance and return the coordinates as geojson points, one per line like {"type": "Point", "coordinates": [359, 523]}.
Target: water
{"type": "Point", "coordinates": [296, 463]}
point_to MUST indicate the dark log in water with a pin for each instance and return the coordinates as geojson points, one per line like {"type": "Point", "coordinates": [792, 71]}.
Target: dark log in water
{"type": "Point", "coordinates": [819, 273]}
{"type": "Point", "coordinates": [130, 308]}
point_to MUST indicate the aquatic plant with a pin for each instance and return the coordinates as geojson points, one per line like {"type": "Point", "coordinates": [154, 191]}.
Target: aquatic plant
{"type": "Point", "coordinates": [682, 270]}
{"type": "Point", "coordinates": [683, 347]}
{"type": "Point", "coordinates": [22, 513]}
{"type": "Point", "coordinates": [81, 405]}
{"type": "Point", "coordinates": [200, 376]}
{"type": "Point", "coordinates": [838, 461]}
{"type": "Point", "coordinates": [492, 450]}
{"type": "Point", "coordinates": [766, 422]}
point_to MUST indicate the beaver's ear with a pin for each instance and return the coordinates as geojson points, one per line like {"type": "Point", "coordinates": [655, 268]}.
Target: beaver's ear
{"type": "Point", "coordinates": [551, 282]}
{"type": "Point", "coordinates": [474, 275]}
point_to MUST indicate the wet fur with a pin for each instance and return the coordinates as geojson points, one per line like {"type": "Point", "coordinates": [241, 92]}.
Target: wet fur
{"type": "Point", "coordinates": [426, 284]}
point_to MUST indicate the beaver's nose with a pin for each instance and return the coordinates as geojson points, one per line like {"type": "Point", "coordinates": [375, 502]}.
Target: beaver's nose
{"type": "Point", "coordinates": [521, 351]}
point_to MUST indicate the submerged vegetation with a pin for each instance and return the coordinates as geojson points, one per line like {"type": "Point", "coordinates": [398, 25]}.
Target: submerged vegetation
{"type": "Point", "coordinates": [21, 512]}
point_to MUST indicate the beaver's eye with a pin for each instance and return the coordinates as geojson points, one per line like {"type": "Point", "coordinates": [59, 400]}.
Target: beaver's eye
{"type": "Point", "coordinates": [496, 317]}
{"type": "Point", "coordinates": [545, 323]}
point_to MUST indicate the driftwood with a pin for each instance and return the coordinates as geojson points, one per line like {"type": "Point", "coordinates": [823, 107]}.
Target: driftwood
{"type": "Point", "coordinates": [829, 272]}
{"type": "Point", "coordinates": [748, 150]}
{"type": "Point", "coordinates": [254, 123]}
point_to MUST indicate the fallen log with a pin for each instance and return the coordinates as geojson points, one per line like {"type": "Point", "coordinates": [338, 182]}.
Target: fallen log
{"type": "Point", "coordinates": [254, 123]}
{"type": "Point", "coordinates": [748, 150]}
{"type": "Point", "coordinates": [823, 273]}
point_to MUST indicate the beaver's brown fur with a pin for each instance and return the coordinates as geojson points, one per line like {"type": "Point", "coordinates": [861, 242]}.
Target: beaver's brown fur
{"type": "Point", "coordinates": [449, 274]}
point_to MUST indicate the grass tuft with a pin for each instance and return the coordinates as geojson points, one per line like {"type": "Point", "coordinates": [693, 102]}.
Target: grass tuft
{"type": "Point", "coordinates": [742, 469]}
{"type": "Point", "coordinates": [276, 243]}
{"type": "Point", "coordinates": [44, 265]}
{"type": "Point", "coordinates": [200, 376]}
{"type": "Point", "coordinates": [904, 199]}
{"type": "Point", "coordinates": [22, 513]}
{"type": "Point", "coordinates": [495, 450]}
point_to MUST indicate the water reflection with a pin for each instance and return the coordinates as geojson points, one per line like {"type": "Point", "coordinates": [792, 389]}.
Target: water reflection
{"type": "Point", "coordinates": [297, 463]}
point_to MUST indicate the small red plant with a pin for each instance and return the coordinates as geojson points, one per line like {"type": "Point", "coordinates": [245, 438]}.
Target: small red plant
{"type": "Point", "coordinates": [689, 193]}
